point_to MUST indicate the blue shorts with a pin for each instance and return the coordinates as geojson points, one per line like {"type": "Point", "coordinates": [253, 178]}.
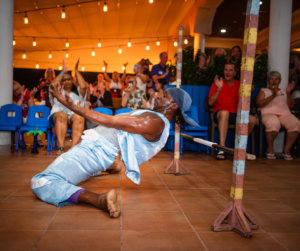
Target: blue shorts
{"type": "Point", "coordinates": [231, 119]}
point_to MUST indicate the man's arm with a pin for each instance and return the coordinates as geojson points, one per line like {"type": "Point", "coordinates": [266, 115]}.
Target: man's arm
{"type": "Point", "coordinates": [219, 84]}
{"type": "Point", "coordinates": [107, 78]}
{"type": "Point", "coordinates": [149, 125]}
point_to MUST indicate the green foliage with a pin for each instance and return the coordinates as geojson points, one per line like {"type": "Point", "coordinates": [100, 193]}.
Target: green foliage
{"type": "Point", "coordinates": [193, 75]}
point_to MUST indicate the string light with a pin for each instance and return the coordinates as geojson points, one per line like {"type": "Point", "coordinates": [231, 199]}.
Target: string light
{"type": "Point", "coordinates": [103, 68]}
{"type": "Point", "coordinates": [105, 6]}
{"type": "Point", "coordinates": [120, 50]}
{"type": "Point", "coordinates": [67, 43]}
{"type": "Point", "coordinates": [60, 67]}
{"type": "Point", "coordinates": [24, 55]}
{"type": "Point", "coordinates": [93, 53]}
{"type": "Point", "coordinates": [67, 54]}
{"type": "Point", "coordinates": [158, 43]}
{"type": "Point", "coordinates": [123, 68]}
{"type": "Point", "coordinates": [50, 55]}
{"type": "Point", "coordinates": [185, 41]}
{"type": "Point", "coordinates": [150, 1]}
{"type": "Point", "coordinates": [37, 65]}
{"type": "Point", "coordinates": [34, 43]}
{"type": "Point", "coordinates": [175, 43]}
{"type": "Point", "coordinates": [129, 44]}
{"type": "Point", "coordinates": [14, 41]}
{"type": "Point", "coordinates": [147, 47]}
{"type": "Point", "coordinates": [25, 18]}
{"type": "Point", "coordinates": [82, 68]}
{"type": "Point", "coordinates": [63, 14]}
{"type": "Point", "coordinates": [99, 43]}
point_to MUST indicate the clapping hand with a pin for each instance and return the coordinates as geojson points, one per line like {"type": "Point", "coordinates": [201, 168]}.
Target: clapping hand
{"type": "Point", "coordinates": [290, 87]}
{"type": "Point", "coordinates": [218, 82]}
{"type": "Point", "coordinates": [33, 92]}
{"type": "Point", "coordinates": [65, 68]}
{"type": "Point", "coordinates": [76, 65]}
{"type": "Point", "coordinates": [208, 60]}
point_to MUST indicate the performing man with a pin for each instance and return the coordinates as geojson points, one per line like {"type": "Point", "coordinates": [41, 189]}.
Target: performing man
{"type": "Point", "coordinates": [137, 136]}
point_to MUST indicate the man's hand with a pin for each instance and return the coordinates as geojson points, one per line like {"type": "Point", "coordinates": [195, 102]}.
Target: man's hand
{"type": "Point", "coordinates": [167, 70]}
{"type": "Point", "coordinates": [33, 92]}
{"type": "Point", "coordinates": [55, 90]}
{"type": "Point", "coordinates": [218, 82]}
{"type": "Point", "coordinates": [65, 68]}
{"type": "Point", "coordinates": [76, 65]}
{"type": "Point", "coordinates": [290, 87]}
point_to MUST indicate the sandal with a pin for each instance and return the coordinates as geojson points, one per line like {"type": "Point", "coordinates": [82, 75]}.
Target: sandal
{"type": "Point", "coordinates": [40, 143]}
{"type": "Point", "coordinates": [270, 156]}
{"type": "Point", "coordinates": [221, 153]}
{"type": "Point", "coordinates": [60, 151]}
{"type": "Point", "coordinates": [287, 157]}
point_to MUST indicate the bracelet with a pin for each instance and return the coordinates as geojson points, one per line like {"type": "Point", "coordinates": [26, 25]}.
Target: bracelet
{"type": "Point", "coordinates": [62, 73]}
{"type": "Point", "coordinates": [22, 99]}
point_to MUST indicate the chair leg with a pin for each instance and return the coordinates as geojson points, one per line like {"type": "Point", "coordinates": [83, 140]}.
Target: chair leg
{"type": "Point", "coordinates": [181, 145]}
{"type": "Point", "coordinates": [212, 139]}
{"type": "Point", "coordinates": [23, 141]}
{"type": "Point", "coordinates": [18, 140]}
{"type": "Point", "coordinates": [298, 146]}
{"type": "Point", "coordinates": [52, 140]}
{"type": "Point", "coordinates": [253, 142]}
{"type": "Point", "coordinates": [48, 139]}
{"type": "Point", "coordinates": [260, 142]}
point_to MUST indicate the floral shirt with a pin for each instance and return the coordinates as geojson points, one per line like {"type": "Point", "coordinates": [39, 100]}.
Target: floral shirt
{"type": "Point", "coordinates": [136, 100]}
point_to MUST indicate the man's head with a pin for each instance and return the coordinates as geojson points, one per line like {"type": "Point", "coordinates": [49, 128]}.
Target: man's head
{"type": "Point", "coordinates": [229, 71]}
{"type": "Point", "coordinates": [220, 52]}
{"type": "Point", "coordinates": [115, 76]}
{"type": "Point", "coordinates": [100, 77]}
{"type": "Point", "coordinates": [163, 58]}
{"type": "Point", "coordinates": [17, 89]}
{"type": "Point", "coordinates": [177, 101]}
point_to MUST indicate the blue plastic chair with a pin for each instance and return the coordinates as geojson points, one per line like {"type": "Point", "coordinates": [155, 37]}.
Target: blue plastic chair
{"type": "Point", "coordinates": [11, 124]}
{"type": "Point", "coordinates": [200, 131]}
{"type": "Point", "coordinates": [123, 110]}
{"type": "Point", "coordinates": [104, 110]}
{"type": "Point", "coordinates": [32, 122]}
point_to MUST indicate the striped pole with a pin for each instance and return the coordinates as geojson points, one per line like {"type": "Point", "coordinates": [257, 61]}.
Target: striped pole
{"type": "Point", "coordinates": [176, 162]}
{"type": "Point", "coordinates": [235, 212]}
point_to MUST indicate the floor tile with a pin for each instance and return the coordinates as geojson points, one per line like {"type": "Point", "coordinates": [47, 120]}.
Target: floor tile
{"type": "Point", "coordinates": [202, 204]}
{"type": "Point", "coordinates": [84, 220]}
{"type": "Point", "coordinates": [14, 180]}
{"type": "Point", "coordinates": [267, 206]}
{"type": "Point", "coordinates": [194, 193]}
{"type": "Point", "coordinates": [26, 203]}
{"type": "Point", "coordinates": [183, 181]}
{"type": "Point", "coordinates": [290, 241]}
{"type": "Point", "coordinates": [6, 190]}
{"type": "Point", "coordinates": [80, 240]}
{"type": "Point", "coordinates": [148, 241]}
{"type": "Point", "coordinates": [19, 240]}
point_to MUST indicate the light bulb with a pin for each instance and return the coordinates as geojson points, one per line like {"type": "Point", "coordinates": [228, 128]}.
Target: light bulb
{"type": "Point", "coordinates": [82, 68]}
{"type": "Point", "coordinates": [60, 67]}
{"type": "Point", "coordinates": [14, 42]}
{"type": "Point", "coordinates": [24, 55]}
{"type": "Point", "coordinates": [186, 41]}
{"type": "Point", "coordinates": [67, 43]}
{"type": "Point", "coordinates": [63, 14]}
{"type": "Point", "coordinates": [223, 31]}
{"type": "Point", "coordinates": [99, 44]}
{"type": "Point", "coordinates": [67, 54]}
{"type": "Point", "coordinates": [129, 44]}
{"type": "Point", "coordinates": [120, 50]}
{"type": "Point", "coordinates": [147, 47]}
{"type": "Point", "coordinates": [37, 65]}
{"type": "Point", "coordinates": [25, 18]}
{"type": "Point", "coordinates": [103, 68]}
{"type": "Point", "coordinates": [105, 7]}
{"type": "Point", "coordinates": [34, 43]}
{"type": "Point", "coordinates": [123, 68]}
{"type": "Point", "coordinates": [50, 55]}
{"type": "Point", "coordinates": [93, 53]}
{"type": "Point", "coordinates": [157, 43]}
{"type": "Point", "coordinates": [150, 1]}
{"type": "Point", "coordinates": [175, 43]}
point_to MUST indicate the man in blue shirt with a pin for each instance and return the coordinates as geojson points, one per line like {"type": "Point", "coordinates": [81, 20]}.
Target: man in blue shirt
{"type": "Point", "coordinates": [159, 70]}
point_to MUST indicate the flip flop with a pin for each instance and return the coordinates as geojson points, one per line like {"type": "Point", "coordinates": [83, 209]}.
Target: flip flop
{"type": "Point", "coordinates": [221, 153]}
{"type": "Point", "coordinates": [270, 156]}
{"type": "Point", "coordinates": [40, 143]}
{"type": "Point", "coordinates": [61, 149]}
{"type": "Point", "coordinates": [287, 157]}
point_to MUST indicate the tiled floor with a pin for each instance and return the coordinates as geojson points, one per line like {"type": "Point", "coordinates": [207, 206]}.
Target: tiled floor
{"type": "Point", "coordinates": [165, 212]}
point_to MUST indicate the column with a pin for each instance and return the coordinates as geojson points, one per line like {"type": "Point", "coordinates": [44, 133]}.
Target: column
{"type": "Point", "coordinates": [6, 59]}
{"type": "Point", "coordinates": [279, 38]}
{"type": "Point", "coordinates": [199, 43]}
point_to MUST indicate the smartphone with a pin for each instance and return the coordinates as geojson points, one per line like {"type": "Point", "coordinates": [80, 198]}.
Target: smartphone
{"type": "Point", "coordinates": [130, 83]}
{"type": "Point", "coordinates": [135, 67]}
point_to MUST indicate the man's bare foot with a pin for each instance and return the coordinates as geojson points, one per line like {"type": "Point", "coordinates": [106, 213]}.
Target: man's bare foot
{"type": "Point", "coordinates": [108, 203]}
{"type": "Point", "coordinates": [114, 168]}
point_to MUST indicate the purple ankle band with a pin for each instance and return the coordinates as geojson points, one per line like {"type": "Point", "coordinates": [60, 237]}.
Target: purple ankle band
{"type": "Point", "coordinates": [74, 197]}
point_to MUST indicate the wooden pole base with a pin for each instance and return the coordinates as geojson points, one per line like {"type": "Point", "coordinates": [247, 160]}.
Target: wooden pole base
{"type": "Point", "coordinates": [235, 218]}
{"type": "Point", "coordinates": [176, 163]}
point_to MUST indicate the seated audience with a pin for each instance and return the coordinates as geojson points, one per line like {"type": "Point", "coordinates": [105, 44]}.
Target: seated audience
{"type": "Point", "coordinates": [160, 70]}
{"type": "Point", "coordinates": [159, 86]}
{"type": "Point", "coordinates": [60, 116]}
{"type": "Point", "coordinates": [274, 104]}
{"type": "Point", "coordinates": [294, 73]}
{"type": "Point", "coordinates": [141, 79]}
{"type": "Point", "coordinates": [203, 61]}
{"type": "Point", "coordinates": [133, 97]}
{"type": "Point", "coordinates": [115, 83]}
{"type": "Point", "coordinates": [224, 97]}
{"type": "Point", "coordinates": [220, 52]}
{"type": "Point", "coordinates": [236, 55]}
{"type": "Point", "coordinates": [100, 96]}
